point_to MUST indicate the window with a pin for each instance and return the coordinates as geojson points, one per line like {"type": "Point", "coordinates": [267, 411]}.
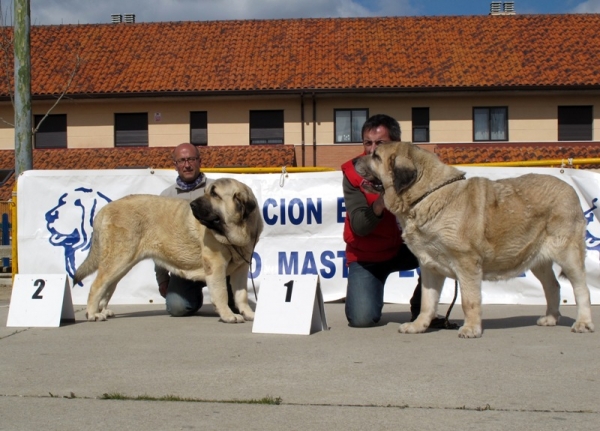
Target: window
{"type": "Point", "coordinates": [198, 128]}
{"type": "Point", "coordinates": [490, 124]}
{"type": "Point", "coordinates": [575, 123]}
{"type": "Point", "coordinates": [131, 130]}
{"type": "Point", "coordinates": [420, 124]}
{"type": "Point", "coordinates": [5, 175]}
{"type": "Point", "coordinates": [52, 132]}
{"type": "Point", "coordinates": [348, 125]}
{"type": "Point", "coordinates": [266, 127]}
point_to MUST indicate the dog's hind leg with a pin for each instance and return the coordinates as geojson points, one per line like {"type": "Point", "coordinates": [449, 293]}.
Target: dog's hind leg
{"type": "Point", "coordinates": [545, 274]}
{"type": "Point", "coordinates": [573, 268]}
{"type": "Point", "coordinates": [97, 297]}
{"type": "Point", "coordinates": [104, 301]}
{"type": "Point", "coordinates": [431, 288]}
{"type": "Point", "coordinates": [109, 274]}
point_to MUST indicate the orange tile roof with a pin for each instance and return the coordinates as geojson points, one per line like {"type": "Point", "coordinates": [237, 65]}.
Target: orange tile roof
{"type": "Point", "coordinates": [142, 157]}
{"type": "Point", "coordinates": [394, 53]}
{"type": "Point", "coordinates": [490, 152]}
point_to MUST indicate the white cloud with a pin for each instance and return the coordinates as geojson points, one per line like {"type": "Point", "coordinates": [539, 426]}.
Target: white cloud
{"type": "Point", "coordinates": [589, 6]}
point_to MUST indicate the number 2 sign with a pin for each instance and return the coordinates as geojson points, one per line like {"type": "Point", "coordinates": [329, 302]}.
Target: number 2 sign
{"type": "Point", "coordinates": [40, 300]}
{"type": "Point", "coordinates": [289, 305]}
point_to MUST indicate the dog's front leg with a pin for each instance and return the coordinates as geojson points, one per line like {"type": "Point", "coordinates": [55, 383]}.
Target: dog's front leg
{"type": "Point", "coordinates": [431, 287]}
{"type": "Point", "coordinates": [239, 286]}
{"type": "Point", "coordinates": [217, 286]}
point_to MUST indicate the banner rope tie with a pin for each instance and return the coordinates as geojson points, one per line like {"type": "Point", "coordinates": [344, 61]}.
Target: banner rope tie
{"type": "Point", "coordinates": [284, 175]}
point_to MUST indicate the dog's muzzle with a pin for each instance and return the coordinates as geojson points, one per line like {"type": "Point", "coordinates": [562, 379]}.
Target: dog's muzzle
{"type": "Point", "coordinates": [204, 213]}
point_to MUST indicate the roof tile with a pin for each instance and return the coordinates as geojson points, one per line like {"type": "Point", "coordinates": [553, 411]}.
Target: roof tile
{"type": "Point", "coordinates": [333, 53]}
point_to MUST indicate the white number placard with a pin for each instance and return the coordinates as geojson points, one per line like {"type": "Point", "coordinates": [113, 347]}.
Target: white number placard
{"type": "Point", "coordinates": [40, 300]}
{"type": "Point", "coordinates": [289, 305]}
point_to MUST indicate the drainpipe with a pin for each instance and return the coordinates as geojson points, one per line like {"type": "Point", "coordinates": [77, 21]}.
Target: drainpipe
{"type": "Point", "coordinates": [314, 102]}
{"type": "Point", "coordinates": [302, 128]}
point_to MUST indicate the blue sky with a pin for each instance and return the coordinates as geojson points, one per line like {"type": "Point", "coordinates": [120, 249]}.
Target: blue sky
{"type": "Point", "coordinates": [45, 12]}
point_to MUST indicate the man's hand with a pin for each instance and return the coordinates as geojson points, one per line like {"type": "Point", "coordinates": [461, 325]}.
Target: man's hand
{"type": "Point", "coordinates": [163, 288]}
{"type": "Point", "coordinates": [378, 206]}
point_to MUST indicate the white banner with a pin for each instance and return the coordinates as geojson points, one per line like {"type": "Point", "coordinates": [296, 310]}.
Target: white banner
{"type": "Point", "coordinates": [303, 214]}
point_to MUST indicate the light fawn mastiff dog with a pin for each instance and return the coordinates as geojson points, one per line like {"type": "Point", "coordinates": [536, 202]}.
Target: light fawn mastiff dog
{"type": "Point", "coordinates": [476, 229]}
{"type": "Point", "coordinates": [207, 239]}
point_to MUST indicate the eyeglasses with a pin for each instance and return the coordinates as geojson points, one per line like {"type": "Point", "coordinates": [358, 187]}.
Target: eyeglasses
{"type": "Point", "coordinates": [189, 160]}
{"type": "Point", "coordinates": [369, 143]}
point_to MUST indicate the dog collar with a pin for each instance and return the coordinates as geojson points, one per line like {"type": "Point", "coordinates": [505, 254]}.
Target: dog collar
{"type": "Point", "coordinates": [462, 177]}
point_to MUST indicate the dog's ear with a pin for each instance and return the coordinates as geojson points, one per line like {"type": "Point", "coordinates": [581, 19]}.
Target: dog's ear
{"type": "Point", "coordinates": [244, 205]}
{"type": "Point", "coordinates": [249, 207]}
{"type": "Point", "coordinates": [404, 177]}
{"type": "Point", "coordinates": [402, 167]}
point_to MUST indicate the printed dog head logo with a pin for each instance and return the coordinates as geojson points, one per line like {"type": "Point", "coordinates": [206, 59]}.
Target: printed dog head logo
{"type": "Point", "coordinates": [70, 223]}
{"type": "Point", "coordinates": [592, 241]}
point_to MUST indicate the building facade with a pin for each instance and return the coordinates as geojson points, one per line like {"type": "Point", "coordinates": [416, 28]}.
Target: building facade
{"type": "Point", "coordinates": [485, 80]}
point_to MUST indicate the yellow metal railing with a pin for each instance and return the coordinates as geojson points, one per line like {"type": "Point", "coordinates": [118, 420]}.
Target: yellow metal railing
{"type": "Point", "coordinates": [13, 229]}
{"type": "Point", "coordinates": [563, 163]}
{"type": "Point", "coordinates": [266, 170]}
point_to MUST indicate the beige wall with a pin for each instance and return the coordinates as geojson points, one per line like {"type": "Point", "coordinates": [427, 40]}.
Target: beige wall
{"type": "Point", "coordinates": [7, 132]}
{"type": "Point", "coordinates": [532, 117]}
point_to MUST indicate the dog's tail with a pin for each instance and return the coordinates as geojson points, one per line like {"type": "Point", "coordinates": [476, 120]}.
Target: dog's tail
{"type": "Point", "coordinates": [91, 262]}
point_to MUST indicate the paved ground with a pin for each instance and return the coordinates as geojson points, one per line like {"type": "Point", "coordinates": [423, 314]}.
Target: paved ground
{"type": "Point", "coordinates": [197, 373]}
{"type": "Point", "coordinates": [5, 291]}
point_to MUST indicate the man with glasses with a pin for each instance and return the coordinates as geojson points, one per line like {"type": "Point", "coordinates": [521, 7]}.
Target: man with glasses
{"type": "Point", "coordinates": [374, 247]}
{"type": "Point", "coordinates": [184, 297]}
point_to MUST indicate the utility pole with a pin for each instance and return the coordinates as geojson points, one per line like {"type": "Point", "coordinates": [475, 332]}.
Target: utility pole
{"type": "Point", "coordinates": [23, 117]}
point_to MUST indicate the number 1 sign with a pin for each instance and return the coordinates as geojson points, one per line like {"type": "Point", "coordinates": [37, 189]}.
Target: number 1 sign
{"type": "Point", "coordinates": [289, 305]}
{"type": "Point", "coordinates": [40, 300]}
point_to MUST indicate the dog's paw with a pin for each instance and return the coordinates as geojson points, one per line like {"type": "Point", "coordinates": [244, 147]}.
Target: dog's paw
{"type": "Point", "coordinates": [547, 321]}
{"type": "Point", "coordinates": [233, 318]}
{"type": "Point", "coordinates": [411, 328]}
{"type": "Point", "coordinates": [93, 317]}
{"type": "Point", "coordinates": [469, 331]}
{"type": "Point", "coordinates": [581, 327]}
{"type": "Point", "coordinates": [248, 315]}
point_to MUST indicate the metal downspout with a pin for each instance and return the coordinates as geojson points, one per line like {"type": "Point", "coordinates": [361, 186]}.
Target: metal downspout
{"type": "Point", "coordinates": [314, 102]}
{"type": "Point", "coordinates": [302, 130]}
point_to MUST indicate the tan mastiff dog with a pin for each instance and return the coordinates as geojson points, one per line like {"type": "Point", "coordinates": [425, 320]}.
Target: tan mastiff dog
{"type": "Point", "coordinates": [476, 229]}
{"type": "Point", "coordinates": [207, 239]}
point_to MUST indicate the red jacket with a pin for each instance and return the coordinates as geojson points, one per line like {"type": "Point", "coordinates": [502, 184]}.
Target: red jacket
{"type": "Point", "coordinates": [383, 242]}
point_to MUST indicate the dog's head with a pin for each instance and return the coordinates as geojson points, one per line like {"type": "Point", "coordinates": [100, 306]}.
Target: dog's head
{"type": "Point", "coordinates": [229, 209]}
{"type": "Point", "coordinates": [390, 165]}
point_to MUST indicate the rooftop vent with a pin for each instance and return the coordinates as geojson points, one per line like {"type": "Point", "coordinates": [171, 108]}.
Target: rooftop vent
{"type": "Point", "coordinates": [116, 18]}
{"type": "Point", "coordinates": [495, 7]}
{"type": "Point", "coordinates": [502, 8]}
{"type": "Point", "coordinates": [129, 18]}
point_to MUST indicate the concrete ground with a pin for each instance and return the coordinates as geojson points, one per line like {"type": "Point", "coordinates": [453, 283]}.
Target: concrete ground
{"type": "Point", "coordinates": [144, 370]}
{"type": "Point", "coordinates": [5, 289]}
